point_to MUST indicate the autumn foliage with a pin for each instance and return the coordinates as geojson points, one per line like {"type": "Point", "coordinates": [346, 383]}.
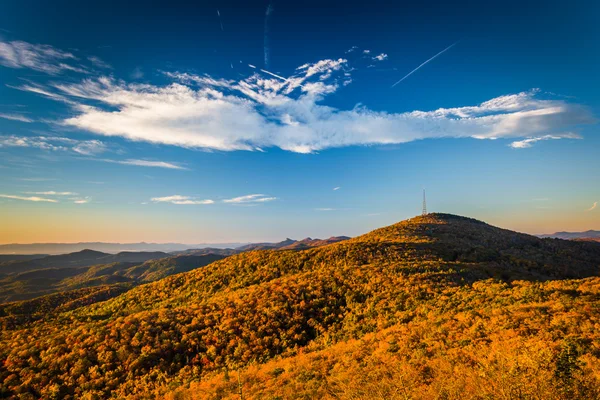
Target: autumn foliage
{"type": "Point", "coordinates": [434, 307]}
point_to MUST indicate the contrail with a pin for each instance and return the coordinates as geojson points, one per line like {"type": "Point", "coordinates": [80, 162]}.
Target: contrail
{"type": "Point", "coordinates": [268, 72]}
{"type": "Point", "coordinates": [275, 75]}
{"type": "Point", "coordinates": [267, 33]}
{"type": "Point", "coordinates": [220, 22]}
{"type": "Point", "coordinates": [419, 67]}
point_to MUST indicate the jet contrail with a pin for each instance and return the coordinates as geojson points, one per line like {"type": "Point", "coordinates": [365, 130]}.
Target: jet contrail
{"type": "Point", "coordinates": [268, 72]}
{"type": "Point", "coordinates": [275, 75]}
{"type": "Point", "coordinates": [267, 49]}
{"type": "Point", "coordinates": [432, 58]}
{"type": "Point", "coordinates": [220, 22]}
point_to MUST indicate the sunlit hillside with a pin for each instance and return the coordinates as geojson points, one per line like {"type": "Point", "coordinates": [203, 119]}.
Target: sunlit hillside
{"type": "Point", "coordinates": [437, 306]}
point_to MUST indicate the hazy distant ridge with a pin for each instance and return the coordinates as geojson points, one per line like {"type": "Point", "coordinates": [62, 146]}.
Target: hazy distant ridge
{"type": "Point", "coordinates": [63, 248]}
{"type": "Point", "coordinates": [591, 234]}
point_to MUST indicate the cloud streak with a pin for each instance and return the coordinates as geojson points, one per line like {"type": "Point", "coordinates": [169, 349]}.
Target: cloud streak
{"type": "Point", "coordinates": [250, 198]}
{"type": "Point", "coordinates": [593, 207]}
{"type": "Point", "coordinates": [38, 57]}
{"type": "Point", "coordinates": [181, 200]}
{"type": "Point", "coordinates": [15, 117]}
{"type": "Point", "coordinates": [53, 193]}
{"type": "Point", "coordinates": [424, 63]}
{"type": "Point", "coordinates": [146, 163]}
{"type": "Point", "coordinates": [267, 34]}
{"type": "Point", "coordinates": [527, 143]}
{"type": "Point", "coordinates": [31, 198]}
{"type": "Point", "coordinates": [54, 143]}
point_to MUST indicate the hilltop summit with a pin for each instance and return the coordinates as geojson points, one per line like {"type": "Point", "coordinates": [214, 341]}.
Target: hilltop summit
{"type": "Point", "coordinates": [421, 295]}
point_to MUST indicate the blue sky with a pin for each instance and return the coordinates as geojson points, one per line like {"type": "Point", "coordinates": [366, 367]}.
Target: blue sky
{"type": "Point", "coordinates": [235, 121]}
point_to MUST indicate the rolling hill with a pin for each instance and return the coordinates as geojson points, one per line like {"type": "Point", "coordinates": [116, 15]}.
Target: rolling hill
{"type": "Point", "coordinates": [291, 244]}
{"type": "Point", "coordinates": [81, 258]}
{"type": "Point", "coordinates": [438, 306]}
{"type": "Point", "coordinates": [30, 279]}
{"type": "Point", "coordinates": [113, 248]}
{"type": "Point", "coordinates": [591, 235]}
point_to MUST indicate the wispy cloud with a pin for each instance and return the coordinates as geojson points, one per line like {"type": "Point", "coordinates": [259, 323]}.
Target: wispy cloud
{"type": "Point", "coordinates": [220, 22]}
{"type": "Point", "coordinates": [39, 57]}
{"type": "Point", "coordinates": [147, 163]}
{"type": "Point", "coordinates": [423, 64]}
{"type": "Point", "coordinates": [337, 188]}
{"type": "Point", "coordinates": [98, 62]}
{"type": "Point", "coordinates": [527, 143]}
{"type": "Point", "coordinates": [137, 73]}
{"type": "Point", "coordinates": [181, 200]}
{"type": "Point", "coordinates": [31, 198]}
{"type": "Point", "coordinates": [54, 143]}
{"type": "Point", "coordinates": [82, 201]}
{"type": "Point", "coordinates": [593, 207]}
{"type": "Point", "coordinates": [53, 193]}
{"type": "Point", "coordinates": [325, 209]}
{"type": "Point", "coordinates": [36, 179]}
{"type": "Point", "coordinates": [16, 117]}
{"type": "Point", "coordinates": [250, 198]}
{"type": "Point", "coordinates": [381, 57]}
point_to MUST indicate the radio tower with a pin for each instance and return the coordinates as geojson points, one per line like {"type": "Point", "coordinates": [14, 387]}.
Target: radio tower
{"type": "Point", "coordinates": [424, 203]}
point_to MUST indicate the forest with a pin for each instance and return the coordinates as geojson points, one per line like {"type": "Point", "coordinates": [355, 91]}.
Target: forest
{"type": "Point", "coordinates": [438, 306]}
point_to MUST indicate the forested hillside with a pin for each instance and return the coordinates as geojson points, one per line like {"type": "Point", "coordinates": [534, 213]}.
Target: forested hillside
{"type": "Point", "coordinates": [437, 306]}
{"type": "Point", "coordinates": [50, 275]}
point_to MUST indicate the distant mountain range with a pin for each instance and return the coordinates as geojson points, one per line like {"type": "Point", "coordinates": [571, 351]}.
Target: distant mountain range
{"type": "Point", "coordinates": [64, 248]}
{"type": "Point", "coordinates": [43, 249]}
{"type": "Point", "coordinates": [588, 235]}
{"type": "Point", "coordinates": [25, 277]}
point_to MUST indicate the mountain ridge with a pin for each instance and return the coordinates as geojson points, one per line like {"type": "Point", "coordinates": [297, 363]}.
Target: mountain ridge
{"type": "Point", "coordinates": [433, 288]}
{"type": "Point", "coordinates": [589, 234]}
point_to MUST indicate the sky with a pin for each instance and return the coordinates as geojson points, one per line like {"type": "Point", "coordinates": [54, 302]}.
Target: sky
{"type": "Point", "coordinates": [225, 121]}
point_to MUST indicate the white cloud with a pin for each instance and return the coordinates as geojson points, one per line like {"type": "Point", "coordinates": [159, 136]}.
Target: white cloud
{"type": "Point", "coordinates": [593, 207]}
{"type": "Point", "coordinates": [146, 163]}
{"type": "Point", "coordinates": [53, 193]}
{"type": "Point", "coordinates": [381, 57]}
{"type": "Point", "coordinates": [32, 198]}
{"type": "Point", "coordinates": [526, 143]}
{"type": "Point", "coordinates": [98, 62]}
{"type": "Point", "coordinates": [325, 209]}
{"type": "Point", "coordinates": [82, 201]}
{"type": "Point", "coordinates": [352, 49]}
{"type": "Point", "coordinates": [39, 57]}
{"type": "Point", "coordinates": [259, 112]}
{"type": "Point", "coordinates": [367, 51]}
{"type": "Point", "coordinates": [250, 198]}
{"type": "Point", "coordinates": [180, 200]}
{"type": "Point", "coordinates": [54, 143]}
{"type": "Point", "coordinates": [89, 147]}
{"type": "Point", "coordinates": [337, 188]}
{"type": "Point", "coordinates": [15, 117]}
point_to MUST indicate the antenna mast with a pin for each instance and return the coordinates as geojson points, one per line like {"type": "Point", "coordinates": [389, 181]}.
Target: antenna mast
{"type": "Point", "coordinates": [424, 203]}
